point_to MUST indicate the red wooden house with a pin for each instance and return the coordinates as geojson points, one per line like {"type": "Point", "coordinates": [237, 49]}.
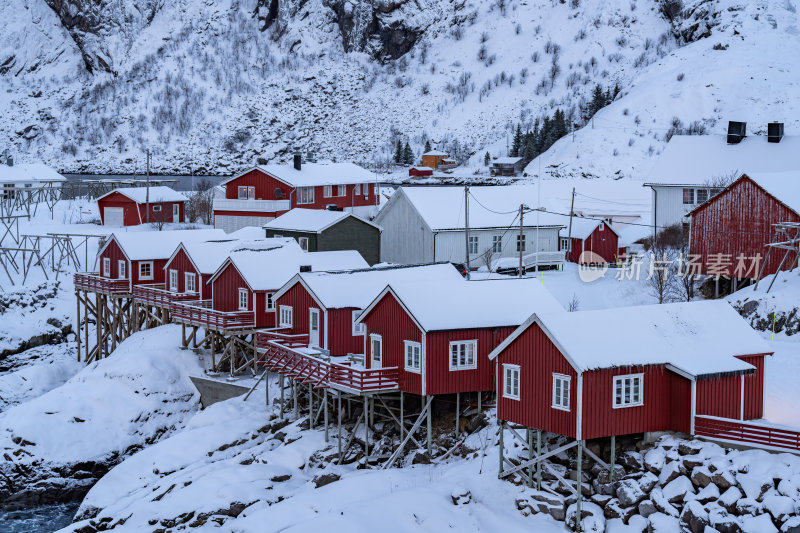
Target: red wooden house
{"type": "Point", "coordinates": [129, 206]}
{"type": "Point", "coordinates": [263, 193]}
{"type": "Point", "coordinates": [684, 365]}
{"type": "Point", "coordinates": [736, 224]}
{"type": "Point", "coordinates": [325, 305]}
{"type": "Point", "coordinates": [420, 172]}
{"type": "Point", "coordinates": [131, 259]}
{"type": "Point", "coordinates": [439, 334]}
{"type": "Point", "coordinates": [593, 241]}
{"type": "Point", "coordinates": [243, 287]}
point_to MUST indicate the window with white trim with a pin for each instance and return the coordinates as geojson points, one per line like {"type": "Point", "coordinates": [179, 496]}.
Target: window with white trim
{"type": "Point", "coordinates": [242, 193]}
{"type": "Point", "coordinates": [520, 243]}
{"type": "Point", "coordinates": [375, 348]}
{"type": "Point", "coordinates": [342, 190]}
{"type": "Point", "coordinates": [564, 243]}
{"type": "Point", "coordinates": [156, 209]}
{"type": "Point", "coordinates": [121, 274]}
{"type": "Point", "coordinates": [146, 270]}
{"type": "Point", "coordinates": [561, 391]}
{"type": "Point", "coordinates": [270, 305]}
{"type": "Point", "coordinates": [243, 299]}
{"type": "Point", "coordinates": [327, 191]}
{"type": "Point", "coordinates": [602, 226]}
{"type": "Point", "coordinates": [107, 267]}
{"type": "Point", "coordinates": [702, 196]}
{"type": "Point", "coordinates": [285, 318]}
{"type": "Point", "coordinates": [628, 390]}
{"type": "Point", "coordinates": [688, 196]}
{"type": "Point", "coordinates": [358, 329]}
{"type": "Point", "coordinates": [497, 244]}
{"type": "Point", "coordinates": [472, 244]}
{"type": "Point", "coordinates": [413, 357]}
{"type": "Point", "coordinates": [463, 355]}
{"type": "Point", "coordinates": [173, 280]}
{"type": "Point", "coordinates": [357, 190]}
{"type": "Point", "coordinates": [190, 282]}
{"type": "Point", "coordinates": [511, 382]}
{"type": "Point", "coordinates": [305, 195]}
{"type": "Point", "coordinates": [303, 242]}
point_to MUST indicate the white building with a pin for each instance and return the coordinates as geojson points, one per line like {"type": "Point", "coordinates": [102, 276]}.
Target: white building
{"type": "Point", "coordinates": [426, 224]}
{"type": "Point", "coordinates": [28, 176]}
{"type": "Point", "coordinates": [692, 168]}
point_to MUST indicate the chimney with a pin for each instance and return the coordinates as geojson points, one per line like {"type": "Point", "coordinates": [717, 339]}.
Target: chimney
{"type": "Point", "coordinates": [736, 131]}
{"type": "Point", "coordinates": [305, 268]}
{"type": "Point", "coordinates": [774, 132]}
{"type": "Point", "coordinates": [298, 162]}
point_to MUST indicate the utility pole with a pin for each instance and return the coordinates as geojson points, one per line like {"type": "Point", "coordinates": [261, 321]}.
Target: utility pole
{"type": "Point", "coordinates": [571, 214]}
{"type": "Point", "coordinates": [147, 193]}
{"type": "Point", "coordinates": [521, 239]}
{"type": "Point", "coordinates": [466, 224]}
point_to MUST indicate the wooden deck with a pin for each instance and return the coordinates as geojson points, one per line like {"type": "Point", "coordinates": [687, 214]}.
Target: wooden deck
{"type": "Point", "coordinates": [748, 433]}
{"type": "Point", "coordinates": [200, 313]}
{"type": "Point", "coordinates": [94, 282]}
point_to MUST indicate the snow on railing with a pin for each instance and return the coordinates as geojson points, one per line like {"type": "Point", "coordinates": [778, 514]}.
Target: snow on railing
{"type": "Point", "coordinates": [267, 206]}
{"type": "Point", "coordinates": [94, 282]}
{"type": "Point", "coordinates": [201, 313]}
{"type": "Point", "coordinates": [158, 295]}
{"type": "Point", "coordinates": [756, 434]}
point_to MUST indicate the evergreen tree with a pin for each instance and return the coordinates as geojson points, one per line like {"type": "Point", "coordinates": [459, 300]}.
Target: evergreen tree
{"type": "Point", "coordinates": [486, 159]}
{"type": "Point", "coordinates": [408, 155]}
{"type": "Point", "coordinates": [599, 100]}
{"type": "Point", "coordinates": [516, 145]}
{"type": "Point", "coordinates": [398, 152]}
{"type": "Point", "coordinates": [427, 147]}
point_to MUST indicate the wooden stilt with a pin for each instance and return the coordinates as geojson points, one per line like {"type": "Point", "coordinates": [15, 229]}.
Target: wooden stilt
{"type": "Point", "coordinates": [339, 421]}
{"type": "Point", "coordinates": [99, 323]}
{"type": "Point", "coordinates": [430, 427]}
{"type": "Point", "coordinates": [213, 353]}
{"type": "Point", "coordinates": [613, 456]}
{"type": "Point", "coordinates": [402, 418]}
{"type": "Point", "coordinates": [502, 426]}
{"type": "Point", "coordinates": [294, 397]}
{"type": "Point", "coordinates": [78, 327]}
{"type": "Point", "coordinates": [282, 400]}
{"type": "Point", "coordinates": [538, 463]}
{"type": "Point", "coordinates": [579, 487]}
{"type": "Point", "coordinates": [366, 426]}
{"type": "Point", "coordinates": [325, 402]}
{"type": "Point", "coordinates": [529, 435]}
{"type": "Point", "coordinates": [480, 397]}
{"type": "Point", "coordinates": [458, 410]}
{"type": "Point", "coordinates": [310, 407]}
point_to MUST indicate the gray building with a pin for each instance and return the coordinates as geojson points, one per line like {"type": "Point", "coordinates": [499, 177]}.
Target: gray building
{"type": "Point", "coordinates": [507, 166]}
{"type": "Point", "coordinates": [318, 230]}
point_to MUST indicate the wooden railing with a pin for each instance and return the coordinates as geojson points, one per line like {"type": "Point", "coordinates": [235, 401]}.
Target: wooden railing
{"type": "Point", "coordinates": [201, 313]}
{"type": "Point", "coordinates": [291, 340]}
{"type": "Point", "coordinates": [279, 357]}
{"type": "Point", "coordinates": [94, 282]}
{"type": "Point", "coordinates": [158, 295]}
{"type": "Point", "coordinates": [756, 434]}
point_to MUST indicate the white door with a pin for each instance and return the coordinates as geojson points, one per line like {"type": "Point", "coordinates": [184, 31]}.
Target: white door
{"type": "Point", "coordinates": [313, 327]}
{"type": "Point", "coordinates": [176, 213]}
{"type": "Point", "coordinates": [114, 216]}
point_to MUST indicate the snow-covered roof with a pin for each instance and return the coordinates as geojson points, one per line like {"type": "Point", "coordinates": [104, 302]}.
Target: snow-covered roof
{"type": "Point", "coordinates": [701, 159]}
{"type": "Point", "coordinates": [785, 186]}
{"type": "Point", "coordinates": [442, 208]}
{"type": "Point", "coordinates": [695, 338]}
{"type": "Point", "coordinates": [158, 193]}
{"type": "Point", "coordinates": [357, 288]}
{"type": "Point", "coordinates": [309, 220]}
{"type": "Point", "coordinates": [507, 160]}
{"type": "Point", "coordinates": [435, 152]}
{"type": "Point", "coordinates": [146, 245]}
{"type": "Point", "coordinates": [583, 227]}
{"type": "Point", "coordinates": [312, 174]}
{"type": "Point", "coordinates": [461, 304]}
{"type": "Point", "coordinates": [207, 256]}
{"type": "Point", "coordinates": [27, 172]}
{"type": "Point", "coordinates": [425, 169]}
{"type": "Point", "coordinates": [269, 265]}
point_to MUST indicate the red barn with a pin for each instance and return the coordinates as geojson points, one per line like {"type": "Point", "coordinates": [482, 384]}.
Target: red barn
{"type": "Point", "coordinates": [263, 193]}
{"type": "Point", "coordinates": [129, 206]}
{"type": "Point", "coordinates": [593, 241]}
{"type": "Point", "coordinates": [325, 305]}
{"type": "Point", "coordinates": [685, 362]}
{"type": "Point", "coordinates": [420, 172]}
{"type": "Point", "coordinates": [735, 225]}
{"type": "Point", "coordinates": [439, 334]}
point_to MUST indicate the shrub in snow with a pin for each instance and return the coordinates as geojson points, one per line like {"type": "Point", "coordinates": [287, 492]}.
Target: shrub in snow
{"type": "Point", "coordinates": [460, 495]}
{"type": "Point", "coordinates": [592, 518]}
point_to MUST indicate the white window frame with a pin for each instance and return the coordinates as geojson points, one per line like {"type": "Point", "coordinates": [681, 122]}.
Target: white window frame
{"type": "Point", "coordinates": [142, 264]}
{"type": "Point", "coordinates": [241, 192]}
{"type": "Point", "coordinates": [156, 208]}
{"type": "Point", "coordinates": [173, 280]}
{"type": "Point", "coordinates": [561, 399]}
{"type": "Point", "coordinates": [286, 316]}
{"type": "Point", "coordinates": [244, 300]}
{"type": "Point", "coordinates": [358, 329]}
{"type": "Point", "coordinates": [269, 304]}
{"type": "Point", "coordinates": [410, 364]}
{"type": "Point", "coordinates": [372, 338]}
{"type": "Point", "coordinates": [602, 226]}
{"type": "Point", "coordinates": [688, 194]}
{"type": "Point", "coordinates": [305, 195]}
{"type": "Point", "coordinates": [706, 193]}
{"type": "Point", "coordinates": [341, 190]}
{"type": "Point", "coordinates": [622, 378]}
{"type": "Point", "coordinates": [509, 392]}
{"type": "Point", "coordinates": [303, 242]}
{"type": "Point", "coordinates": [187, 277]}
{"type": "Point", "coordinates": [122, 270]}
{"type": "Point", "coordinates": [357, 190]}
{"type": "Point", "coordinates": [564, 243]}
{"type": "Point", "coordinates": [521, 241]}
{"type": "Point", "coordinates": [497, 244]}
{"type": "Point", "coordinates": [327, 191]}
{"type": "Point", "coordinates": [472, 244]}
{"type": "Point", "coordinates": [107, 267]}
{"type": "Point", "coordinates": [466, 344]}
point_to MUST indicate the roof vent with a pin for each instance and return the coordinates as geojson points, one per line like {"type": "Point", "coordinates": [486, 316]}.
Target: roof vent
{"type": "Point", "coordinates": [736, 131]}
{"type": "Point", "coordinates": [774, 132]}
{"type": "Point", "coordinates": [298, 162]}
{"type": "Point", "coordinates": [305, 268]}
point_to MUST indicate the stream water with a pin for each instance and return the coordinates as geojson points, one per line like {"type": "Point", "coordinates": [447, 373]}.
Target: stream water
{"type": "Point", "coordinates": [44, 519]}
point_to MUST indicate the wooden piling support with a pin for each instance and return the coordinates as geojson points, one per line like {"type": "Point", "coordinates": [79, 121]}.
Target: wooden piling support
{"type": "Point", "coordinates": [325, 401]}
{"type": "Point", "coordinates": [458, 410]}
{"type": "Point", "coordinates": [78, 327]}
{"type": "Point", "coordinates": [366, 427]}
{"type": "Point", "coordinates": [613, 456]}
{"type": "Point", "coordinates": [579, 488]}
{"type": "Point", "coordinates": [538, 463]}
{"type": "Point", "coordinates": [529, 435]}
{"type": "Point", "coordinates": [501, 425]}
{"type": "Point", "coordinates": [402, 417]}
{"type": "Point", "coordinates": [430, 426]}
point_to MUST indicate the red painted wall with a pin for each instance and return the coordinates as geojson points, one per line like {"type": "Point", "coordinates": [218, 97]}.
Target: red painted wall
{"type": "Point", "coordinates": [754, 388]}
{"type": "Point", "coordinates": [738, 221]}
{"type": "Point", "coordinates": [388, 319]}
{"type": "Point", "coordinates": [538, 359]}
{"type": "Point", "coordinates": [680, 403]}
{"type": "Point", "coordinates": [301, 301]}
{"type": "Point", "coordinates": [182, 264]}
{"type": "Point", "coordinates": [442, 380]}
{"type": "Point", "coordinates": [264, 318]}
{"type": "Point", "coordinates": [225, 290]}
{"type": "Point", "coordinates": [132, 210]}
{"type": "Point", "coordinates": [719, 397]}
{"type": "Point", "coordinates": [164, 215]}
{"type": "Point", "coordinates": [265, 186]}
{"type": "Point", "coordinates": [604, 243]}
{"type": "Point", "coordinates": [113, 252]}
